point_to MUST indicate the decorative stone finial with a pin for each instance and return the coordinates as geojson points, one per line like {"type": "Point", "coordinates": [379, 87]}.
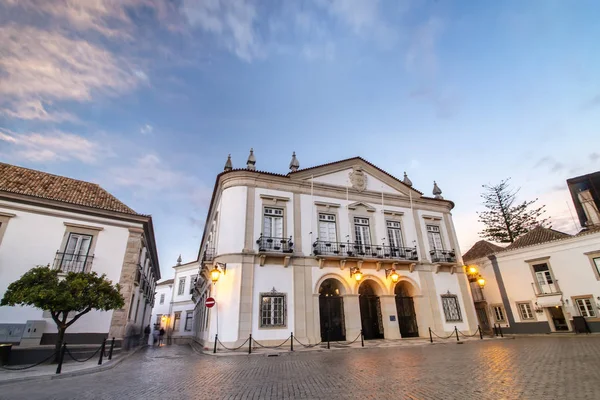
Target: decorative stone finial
{"type": "Point", "coordinates": [437, 192]}
{"type": "Point", "coordinates": [228, 165]}
{"type": "Point", "coordinates": [406, 180]}
{"type": "Point", "coordinates": [251, 163]}
{"type": "Point", "coordinates": [294, 164]}
{"type": "Point", "coordinates": [179, 260]}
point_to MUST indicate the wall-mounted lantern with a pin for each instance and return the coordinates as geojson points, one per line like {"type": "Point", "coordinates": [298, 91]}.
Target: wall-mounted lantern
{"type": "Point", "coordinates": [391, 273]}
{"type": "Point", "coordinates": [356, 273]}
{"type": "Point", "coordinates": [216, 272]}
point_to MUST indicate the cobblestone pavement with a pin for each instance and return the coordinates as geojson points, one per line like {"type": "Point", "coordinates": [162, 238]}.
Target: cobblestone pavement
{"type": "Point", "coordinates": [524, 368]}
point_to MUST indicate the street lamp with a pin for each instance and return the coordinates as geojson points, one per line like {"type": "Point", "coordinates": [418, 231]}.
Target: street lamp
{"type": "Point", "coordinates": [215, 274]}
{"type": "Point", "coordinates": [481, 282]}
{"type": "Point", "coordinates": [391, 273]}
{"type": "Point", "coordinates": [355, 271]}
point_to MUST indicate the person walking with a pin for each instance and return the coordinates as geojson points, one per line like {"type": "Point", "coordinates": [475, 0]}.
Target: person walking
{"type": "Point", "coordinates": [155, 336]}
{"type": "Point", "coordinates": [161, 335]}
{"type": "Point", "coordinates": [147, 332]}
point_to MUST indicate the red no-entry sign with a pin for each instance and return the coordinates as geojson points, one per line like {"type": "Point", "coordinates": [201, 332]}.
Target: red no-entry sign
{"type": "Point", "coordinates": [210, 302]}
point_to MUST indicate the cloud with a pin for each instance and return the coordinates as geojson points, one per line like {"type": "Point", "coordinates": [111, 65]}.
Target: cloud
{"type": "Point", "coordinates": [232, 22]}
{"type": "Point", "coordinates": [52, 146]}
{"type": "Point", "coordinates": [40, 67]}
{"type": "Point", "coordinates": [147, 129]}
{"type": "Point", "coordinates": [594, 157]}
{"type": "Point", "coordinates": [551, 163]}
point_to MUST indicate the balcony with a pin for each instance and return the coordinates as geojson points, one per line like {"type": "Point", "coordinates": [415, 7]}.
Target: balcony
{"type": "Point", "coordinates": [360, 250]}
{"type": "Point", "coordinates": [69, 262]}
{"type": "Point", "coordinates": [443, 256]}
{"type": "Point", "coordinates": [209, 254]}
{"type": "Point", "coordinates": [548, 289]}
{"type": "Point", "coordinates": [267, 244]}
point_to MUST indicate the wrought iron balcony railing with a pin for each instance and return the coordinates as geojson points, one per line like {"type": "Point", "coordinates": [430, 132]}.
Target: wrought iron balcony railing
{"type": "Point", "coordinates": [348, 249]}
{"type": "Point", "coordinates": [547, 289]}
{"type": "Point", "coordinates": [444, 256]}
{"type": "Point", "coordinates": [209, 254]}
{"type": "Point", "coordinates": [275, 244]}
{"type": "Point", "coordinates": [69, 262]}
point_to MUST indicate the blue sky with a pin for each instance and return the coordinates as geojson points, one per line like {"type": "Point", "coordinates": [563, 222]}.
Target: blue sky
{"type": "Point", "coordinates": [147, 97]}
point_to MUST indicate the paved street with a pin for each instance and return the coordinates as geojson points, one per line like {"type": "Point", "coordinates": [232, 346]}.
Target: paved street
{"type": "Point", "coordinates": [524, 368]}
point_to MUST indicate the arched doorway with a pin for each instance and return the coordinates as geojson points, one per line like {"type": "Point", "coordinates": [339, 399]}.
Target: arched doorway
{"type": "Point", "coordinates": [331, 310]}
{"type": "Point", "coordinates": [370, 311]}
{"type": "Point", "coordinates": [405, 307]}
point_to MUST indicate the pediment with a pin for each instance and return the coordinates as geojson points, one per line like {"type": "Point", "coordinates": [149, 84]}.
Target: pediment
{"type": "Point", "coordinates": [360, 204]}
{"type": "Point", "coordinates": [357, 174]}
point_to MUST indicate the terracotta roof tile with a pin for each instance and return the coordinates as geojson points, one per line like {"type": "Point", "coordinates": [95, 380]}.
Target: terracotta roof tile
{"type": "Point", "coordinates": [29, 182]}
{"type": "Point", "coordinates": [481, 249]}
{"type": "Point", "coordinates": [536, 236]}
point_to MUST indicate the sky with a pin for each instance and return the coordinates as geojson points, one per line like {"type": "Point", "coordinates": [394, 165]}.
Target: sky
{"type": "Point", "coordinates": [148, 97]}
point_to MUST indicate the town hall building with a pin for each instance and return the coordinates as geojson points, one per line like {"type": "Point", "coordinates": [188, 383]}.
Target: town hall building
{"type": "Point", "coordinates": [325, 252]}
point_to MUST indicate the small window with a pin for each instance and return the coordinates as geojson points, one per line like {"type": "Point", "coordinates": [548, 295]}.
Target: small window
{"type": "Point", "coordinates": [525, 311]}
{"type": "Point", "coordinates": [177, 321]}
{"type": "Point", "coordinates": [193, 280]}
{"type": "Point", "coordinates": [585, 307]}
{"type": "Point", "coordinates": [181, 287]}
{"type": "Point", "coordinates": [189, 316]}
{"type": "Point", "coordinates": [451, 308]}
{"type": "Point", "coordinates": [162, 298]}
{"type": "Point", "coordinates": [499, 314]}
{"type": "Point", "coordinates": [273, 309]}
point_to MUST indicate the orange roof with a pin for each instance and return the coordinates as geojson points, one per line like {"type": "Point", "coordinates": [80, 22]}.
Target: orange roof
{"type": "Point", "coordinates": [481, 249]}
{"type": "Point", "coordinates": [537, 235]}
{"type": "Point", "coordinates": [29, 182]}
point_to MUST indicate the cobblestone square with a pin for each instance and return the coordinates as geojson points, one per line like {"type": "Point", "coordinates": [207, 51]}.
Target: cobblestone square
{"type": "Point", "coordinates": [524, 368]}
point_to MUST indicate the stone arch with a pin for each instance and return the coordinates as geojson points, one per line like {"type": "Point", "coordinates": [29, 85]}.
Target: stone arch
{"type": "Point", "coordinates": [342, 281]}
{"type": "Point", "coordinates": [378, 286]}
{"type": "Point", "coordinates": [415, 290]}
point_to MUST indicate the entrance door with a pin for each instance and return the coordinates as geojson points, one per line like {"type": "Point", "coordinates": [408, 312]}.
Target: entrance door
{"type": "Point", "coordinates": [331, 311]}
{"type": "Point", "coordinates": [482, 317]}
{"type": "Point", "coordinates": [558, 319]}
{"type": "Point", "coordinates": [405, 307]}
{"type": "Point", "coordinates": [370, 312]}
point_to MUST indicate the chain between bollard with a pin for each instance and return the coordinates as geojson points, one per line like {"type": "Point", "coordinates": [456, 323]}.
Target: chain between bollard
{"type": "Point", "coordinates": [29, 366]}
{"type": "Point", "coordinates": [292, 341]}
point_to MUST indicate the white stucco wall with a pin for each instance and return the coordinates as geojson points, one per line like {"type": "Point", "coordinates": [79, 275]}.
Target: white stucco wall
{"type": "Point", "coordinates": [265, 279]}
{"type": "Point", "coordinates": [226, 293]}
{"type": "Point", "coordinates": [33, 239]}
{"type": "Point", "coordinates": [444, 283]}
{"type": "Point", "coordinates": [232, 217]}
{"type": "Point", "coordinates": [162, 309]}
{"type": "Point", "coordinates": [342, 178]}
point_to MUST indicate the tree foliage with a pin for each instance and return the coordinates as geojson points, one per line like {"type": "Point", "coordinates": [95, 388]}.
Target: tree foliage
{"type": "Point", "coordinates": [75, 293]}
{"type": "Point", "coordinates": [505, 219]}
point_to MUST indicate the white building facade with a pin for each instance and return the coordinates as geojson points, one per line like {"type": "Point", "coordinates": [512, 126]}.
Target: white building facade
{"type": "Point", "coordinates": [174, 309]}
{"type": "Point", "coordinates": [74, 226]}
{"type": "Point", "coordinates": [326, 252]}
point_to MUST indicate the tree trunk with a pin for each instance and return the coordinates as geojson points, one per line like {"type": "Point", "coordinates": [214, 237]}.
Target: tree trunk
{"type": "Point", "coordinates": [59, 343]}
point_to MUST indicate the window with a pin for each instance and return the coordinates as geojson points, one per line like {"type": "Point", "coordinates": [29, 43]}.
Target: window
{"type": "Point", "coordinates": [585, 307]}
{"type": "Point", "coordinates": [596, 261]}
{"type": "Point", "coordinates": [525, 311]}
{"type": "Point", "coordinates": [272, 309]}
{"type": "Point", "coordinates": [131, 306]}
{"type": "Point", "coordinates": [158, 318]}
{"type": "Point", "coordinates": [544, 279]}
{"type": "Point", "coordinates": [75, 256]}
{"type": "Point", "coordinates": [193, 280]}
{"type": "Point", "coordinates": [394, 234]}
{"type": "Point", "coordinates": [273, 222]}
{"type": "Point", "coordinates": [177, 321]}
{"type": "Point", "coordinates": [327, 228]}
{"type": "Point", "coordinates": [4, 218]}
{"type": "Point", "coordinates": [189, 316]}
{"type": "Point", "coordinates": [451, 308]}
{"type": "Point", "coordinates": [499, 314]}
{"type": "Point", "coordinates": [361, 231]}
{"type": "Point", "coordinates": [181, 287]}
{"type": "Point", "coordinates": [435, 238]}
{"type": "Point", "coordinates": [162, 298]}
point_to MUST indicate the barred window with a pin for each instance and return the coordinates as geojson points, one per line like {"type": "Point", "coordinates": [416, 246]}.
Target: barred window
{"type": "Point", "coordinates": [451, 308]}
{"type": "Point", "coordinates": [273, 309]}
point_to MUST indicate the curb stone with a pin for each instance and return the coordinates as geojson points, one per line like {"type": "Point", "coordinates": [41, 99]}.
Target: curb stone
{"type": "Point", "coordinates": [86, 371]}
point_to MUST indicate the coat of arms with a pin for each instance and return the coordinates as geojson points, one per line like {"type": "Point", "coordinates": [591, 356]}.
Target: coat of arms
{"type": "Point", "coordinates": [358, 179]}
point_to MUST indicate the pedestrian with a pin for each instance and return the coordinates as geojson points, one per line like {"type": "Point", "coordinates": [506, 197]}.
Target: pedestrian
{"type": "Point", "coordinates": [161, 335]}
{"type": "Point", "coordinates": [155, 335]}
{"type": "Point", "coordinates": [147, 331]}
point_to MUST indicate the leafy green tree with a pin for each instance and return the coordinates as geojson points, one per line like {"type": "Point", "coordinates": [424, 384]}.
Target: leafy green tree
{"type": "Point", "coordinates": [505, 219]}
{"type": "Point", "coordinates": [75, 293]}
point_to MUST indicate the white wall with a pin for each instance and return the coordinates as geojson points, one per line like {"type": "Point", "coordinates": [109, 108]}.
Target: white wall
{"type": "Point", "coordinates": [33, 239]}
{"type": "Point", "coordinates": [265, 279]}
{"type": "Point", "coordinates": [342, 178]}
{"type": "Point", "coordinates": [232, 217]}
{"type": "Point", "coordinates": [226, 293]}
{"type": "Point", "coordinates": [444, 283]}
{"type": "Point", "coordinates": [162, 309]}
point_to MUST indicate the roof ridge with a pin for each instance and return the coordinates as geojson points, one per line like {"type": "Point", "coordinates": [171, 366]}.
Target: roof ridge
{"type": "Point", "coordinates": [51, 174]}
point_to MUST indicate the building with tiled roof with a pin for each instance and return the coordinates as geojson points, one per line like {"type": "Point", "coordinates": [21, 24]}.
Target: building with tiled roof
{"type": "Point", "coordinates": [75, 226]}
{"type": "Point", "coordinates": [537, 235]}
{"type": "Point", "coordinates": [481, 249]}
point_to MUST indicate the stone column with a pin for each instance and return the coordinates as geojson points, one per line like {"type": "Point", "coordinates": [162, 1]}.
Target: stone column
{"type": "Point", "coordinates": [119, 322]}
{"type": "Point", "coordinates": [427, 306]}
{"type": "Point", "coordinates": [388, 308]}
{"type": "Point", "coordinates": [246, 297]}
{"type": "Point", "coordinates": [301, 300]}
{"type": "Point", "coordinates": [352, 316]}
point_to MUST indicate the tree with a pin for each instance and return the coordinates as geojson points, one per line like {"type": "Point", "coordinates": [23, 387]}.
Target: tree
{"type": "Point", "coordinates": [504, 220]}
{"type": "Point", "coordinates": [78, 293]}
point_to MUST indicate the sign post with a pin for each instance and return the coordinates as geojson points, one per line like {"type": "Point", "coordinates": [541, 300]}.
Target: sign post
{"type": "Point", "coordinates": [210, 302]}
